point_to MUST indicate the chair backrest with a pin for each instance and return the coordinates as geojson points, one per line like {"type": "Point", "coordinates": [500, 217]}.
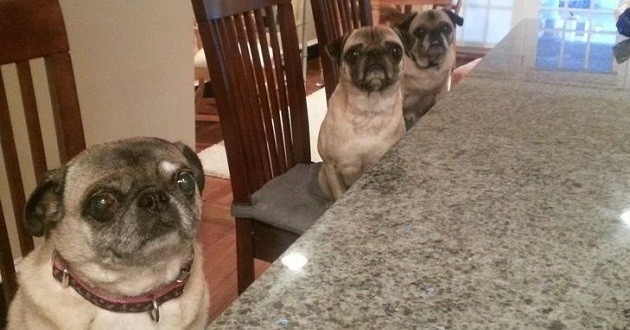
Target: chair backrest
{"type": "Point", "coordinates": [333, 19]}
{"type": "Point", "coordinates": [34, 29]}
{"type": "Point", "coordinates": [253, 57]}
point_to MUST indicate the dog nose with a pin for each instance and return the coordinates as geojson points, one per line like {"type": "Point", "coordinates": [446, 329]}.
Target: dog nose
{"type": "Point", "coordinates": [154, 200]}
{"type": "Point", "coordinates": [374, 66]}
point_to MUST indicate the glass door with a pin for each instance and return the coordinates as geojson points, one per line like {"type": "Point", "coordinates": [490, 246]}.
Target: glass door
{"type": "Point", "coordinates": [486, 22]}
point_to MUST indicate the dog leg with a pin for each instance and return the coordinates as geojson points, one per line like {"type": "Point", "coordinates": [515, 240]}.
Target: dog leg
{"type": "Point", "coordinates": [332, 181]}
{"type": "Point", "coordinates": [351, 172]}
{"type": "Point", "coordinates": [323, 182]}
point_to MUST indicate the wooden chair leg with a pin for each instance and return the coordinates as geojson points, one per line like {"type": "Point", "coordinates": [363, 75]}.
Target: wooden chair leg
{"type": "Point", "coordinates": [244, 254]}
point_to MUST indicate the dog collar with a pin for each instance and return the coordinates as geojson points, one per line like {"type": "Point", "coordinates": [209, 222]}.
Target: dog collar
{"type": "Point", "coordinates": [148, 302]}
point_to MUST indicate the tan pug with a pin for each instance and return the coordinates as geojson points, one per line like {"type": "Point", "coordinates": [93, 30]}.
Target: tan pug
{"type": "Point", "coordinates": [432, 58]}
{"type": "Point", "coordinates": [120, 223]}
{"type": "Point", "coordinates": [364, 117]}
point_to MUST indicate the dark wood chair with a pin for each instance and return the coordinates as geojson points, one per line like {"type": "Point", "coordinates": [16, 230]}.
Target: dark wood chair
{"type": "Point", "coordinates": [253, 57]}
{"type": "Point", "coordinates": [33, 29]}
{"type": "Point", "coordinates": [333, 19]}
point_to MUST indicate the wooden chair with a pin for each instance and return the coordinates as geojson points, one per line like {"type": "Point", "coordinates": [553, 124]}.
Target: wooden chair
{"type": "Point", "coordinates": [253, 58]}
{"type": "Point", "coordinates": [333, 19]}
{"type": "Point", "coordinates": [33, 29]}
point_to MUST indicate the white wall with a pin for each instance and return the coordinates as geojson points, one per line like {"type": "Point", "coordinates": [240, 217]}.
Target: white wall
{"type": "Point", "coordinates": [133, 67]}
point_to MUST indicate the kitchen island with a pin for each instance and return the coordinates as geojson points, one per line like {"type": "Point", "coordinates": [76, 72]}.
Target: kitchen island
{"type": "Point", "coordinates": [506, 206]}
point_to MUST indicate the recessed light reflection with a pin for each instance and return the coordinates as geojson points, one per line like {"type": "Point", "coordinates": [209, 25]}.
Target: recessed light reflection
{"type": "Point", "coordinates": [294, 261]}
{"type": "Point", "coordinates": [625, 217]}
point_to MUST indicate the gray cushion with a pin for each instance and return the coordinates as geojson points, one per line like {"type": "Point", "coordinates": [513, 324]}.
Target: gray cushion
{"type": "Point", "coordinates": [291, 201]}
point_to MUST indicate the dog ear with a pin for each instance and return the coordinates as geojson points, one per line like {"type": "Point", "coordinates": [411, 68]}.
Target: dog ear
{"type": "Point", "coordinates": [456, 19]}
{"type": "Point", "coordinates": [335, 49]}
{"type": "Point", "coordinates": [45, 205]}
{"type": "Point", "coordinates": [194, 161]}
{"type": "Point", "coordinates": [406, 23]}
{"type": "Point", "coordinates": [407, 39]}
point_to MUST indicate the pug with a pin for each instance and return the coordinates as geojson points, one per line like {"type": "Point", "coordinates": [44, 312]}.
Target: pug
{"type": "Point", "coordinates": [432, 58]}
{"type": "Point", "coordinates": [364, 117]}
{"type": "Point", "coordinates": [120, 222]}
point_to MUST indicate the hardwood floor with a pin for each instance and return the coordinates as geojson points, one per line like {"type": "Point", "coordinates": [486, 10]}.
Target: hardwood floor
{"type": "Point", "coordinates": [218, 240]}
{"type": "Point", "coordinates": [217, 233]}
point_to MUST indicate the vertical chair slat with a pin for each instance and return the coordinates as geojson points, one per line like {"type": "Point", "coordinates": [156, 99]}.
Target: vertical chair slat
{"type": "Point", "coordinates": [233, 48]}
{"type": "Point", "coordinates": [338, 23]}
{"type": "Point", "coordinates": [70, 137]}
{"type": "Point", "coordinates": [297, 99]}
{"type": "Point", "coordinates": [261, 110]}
{"type": "Point", "coordinates": [345, 5]}
{"type": "Point", "coordinates": [32, 119]}
{"type": "Point", "coordinates": [365, 13]}
{"type": "Point", "coordinates": [354, 9]}
{"type": "Point", "coordinates": [275, 91]}
{"type": "Point", "coordinates": [279, 65]}
{"type": "Point", "coordinates": [250, 102]}
{"type": "Point", "coordinates": [212, 35]}
{"type": "Point", "coordinates": [269, 98]}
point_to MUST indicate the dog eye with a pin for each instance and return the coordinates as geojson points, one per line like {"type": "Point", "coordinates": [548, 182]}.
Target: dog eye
{"type": "Point", "coordinates": [395, 51]}
{"type": "Point", "coordinates": [446, 28]}
{"type": "Point", "coordinates": [186, 182]}
{"type": "Point", "coordinates": [102, 207]}
{"type": "Point", "coordinates": [352, 56]}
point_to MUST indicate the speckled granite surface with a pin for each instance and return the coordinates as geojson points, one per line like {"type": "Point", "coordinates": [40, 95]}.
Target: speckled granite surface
{"type": "Point", "coordinates": [501, 209]}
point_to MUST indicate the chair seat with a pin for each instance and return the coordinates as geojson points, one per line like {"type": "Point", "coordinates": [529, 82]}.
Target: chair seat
{"type": "Point", "coordinates": [292, 201]}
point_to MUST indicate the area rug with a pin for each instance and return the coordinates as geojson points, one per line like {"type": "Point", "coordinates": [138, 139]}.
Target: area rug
{"type": "Point", "coordinates": [214, 160]}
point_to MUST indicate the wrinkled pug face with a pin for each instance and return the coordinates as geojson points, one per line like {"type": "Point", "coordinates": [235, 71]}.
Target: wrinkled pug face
{"type": "Point", "coordinates": [434, 30]}
{"type": "Point", "coordinates": [121, 202]}
{"type": "Point", "coordinates": [370, 57]}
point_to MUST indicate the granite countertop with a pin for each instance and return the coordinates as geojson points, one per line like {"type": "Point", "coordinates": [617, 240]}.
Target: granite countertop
{"type": "Point", "coordinates": [507, 206]}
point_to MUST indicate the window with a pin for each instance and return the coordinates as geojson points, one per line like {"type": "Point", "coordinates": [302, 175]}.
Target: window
{"type": "Point", "coordinates": [586, 27]}
{"type": "Point", "coordinates": [477, 30]}
{"type": "Point", "coordinates": [579, 15]}
{"type": "Point", "coordinates": [486, 22]}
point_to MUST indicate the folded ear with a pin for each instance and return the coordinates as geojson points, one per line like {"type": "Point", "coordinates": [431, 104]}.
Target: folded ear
{"type": "Point", "coordinates": [407, 39]}
{"type": "Point", "coordinates": [456, 19]}
{"type": "Point", "coordinates": [335, 49]}
{"type": "Point", "coordinates": [194, 162]}
{"type": "Point", "coordinates": [406, 23]}
{"type": "Point", "coordinates": [45, 205]}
